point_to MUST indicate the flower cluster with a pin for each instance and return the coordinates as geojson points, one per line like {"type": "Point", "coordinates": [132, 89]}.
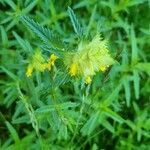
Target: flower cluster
{"type": "Point", "coordinates": [39, 63]}
{"type": "Point", "coordinates": [89, 59]}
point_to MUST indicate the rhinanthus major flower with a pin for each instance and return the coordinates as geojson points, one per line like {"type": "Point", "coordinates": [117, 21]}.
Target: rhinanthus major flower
{"type": "Point", "coordinates": [73, 69]}
{"type": "Point", "coordinates": [88, 80]}
{"type": "Point", "coordinates": [51, 61]}
{"type": "Point", "coordinates": [29, 70]}
{"type": "Point", "coordinates": [39, 63]}
{"type": "Point", "coordinates": [89, 59]}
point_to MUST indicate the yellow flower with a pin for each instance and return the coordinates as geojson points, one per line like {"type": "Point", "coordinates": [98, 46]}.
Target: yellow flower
{"type": "Point", "coordinates": [88, 80]}
{"type": "Point", "coordinates": [103, 68]}
{"type": "Point", "coordinates": [52, 59]}
{"type": "Point", "coordinates": [29, 70]}
{"type": "Point", "coordinates": [73, 69]}
{"type": "Point", "coordinates": [39, 63]}
{"type": "Point", "coordinates": [89, 58]}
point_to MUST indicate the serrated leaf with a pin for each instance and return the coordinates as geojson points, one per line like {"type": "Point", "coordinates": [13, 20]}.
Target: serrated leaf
{"type": "Point", "coordinates": [61, 79]}
{"type": "Point", "coordinates": [43, 33]}
{"type": "Point", "coordinates": [52, 50]}
{"type": "Point", "coordinates": [77, 27]}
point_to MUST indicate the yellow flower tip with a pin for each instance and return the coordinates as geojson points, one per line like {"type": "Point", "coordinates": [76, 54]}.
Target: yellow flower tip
{"type": "Point", "coordinates": [29, 71]}
{"type": "Point", "coordinates": [88, 80]}
{"type": "Point", "coordinates": [73, 69]}
{"type": "Point", "coordinates": [103, 68]}
{"type": "Point", "coordinates": [52, 59]}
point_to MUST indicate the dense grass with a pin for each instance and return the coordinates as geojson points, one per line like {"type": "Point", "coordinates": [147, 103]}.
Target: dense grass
{"type": "Point", "coordinates": [51, 109]}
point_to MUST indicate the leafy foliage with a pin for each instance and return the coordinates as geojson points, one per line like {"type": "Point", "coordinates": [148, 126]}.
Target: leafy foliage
{"type": "Point", "coordinates": [77, 27]}
{"type": "Point", "coordinates": [51, 110]}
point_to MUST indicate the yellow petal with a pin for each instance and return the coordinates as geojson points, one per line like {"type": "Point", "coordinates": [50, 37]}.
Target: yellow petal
{"type": "Point", "coordinates": [88, 80]}
{"type": "Point", "coordinates": [73, 69]}
{"type": "Point", "coordinates": [29, 70]}
{"type": "Point", "coordinates": [52, 59]}
{"type": "Point", "coordinates": [103, 68]}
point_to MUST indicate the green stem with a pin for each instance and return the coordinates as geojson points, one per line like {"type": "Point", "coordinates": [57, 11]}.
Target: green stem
{"type": "Point", "coordinates": [84, 97]}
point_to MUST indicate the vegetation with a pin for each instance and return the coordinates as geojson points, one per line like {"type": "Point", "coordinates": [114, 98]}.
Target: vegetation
{"type": "Point", "coordinates": [74, 75]}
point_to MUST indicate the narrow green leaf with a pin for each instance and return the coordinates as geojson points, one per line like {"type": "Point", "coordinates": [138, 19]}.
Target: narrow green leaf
{"type": "Point", "coordinates": [22, 119]}
{"type": "Point", "coordinates": [143, 67]}
{"type": "Point", "coordinates": [10, 98]}
{"type": "Point", "coordinates": [136, 108]}
{"type": "Point", "coordinates": [24, 44]}
{"type": "Point", "coordinates": [131, 124]}
{"type": "Point", "coordinates": [134, 46]}
{"type": "Point", "coordinates": [11, 24]}
{"type": "Point", "coordinates": [50, 108]}
{"type": "Point", "coordinates": [136, 2]}
{"type": "Point", "coordinates": [113, 94]}
{"type": "Point", "coordinates": [13, 132]}
{"type": "Point", "coordinates": [139, 134]}
{"type": "Point", "coordinates": [11, 4]}
{"type": "Point", "coordinates": [91, 21]}
{"type": "Point", "coordinates": [126, 84]}
{"type": "Point", "coordinates": [19, 109]}
{"type": "Point", "coordinates": [52, 9]}
{"type": "Point", "coordinates": [108, 126]}
{"type": "Point", "coordinates": [4, 36]}
{"type": "Point", "coordinates": [63, 133]}
{"type": "Point", "coordinates": [125, 60]}
{"type": "Point", "coordinates": [90, 124]}
{"type": "Point", "coordinates": [30, 7]}
{"type": "Point", "coordinates": [136, 80]}
{"type": "Point", "coordinates": [113, 115]}
{"type": "Point", "coordinates": [12, 75]}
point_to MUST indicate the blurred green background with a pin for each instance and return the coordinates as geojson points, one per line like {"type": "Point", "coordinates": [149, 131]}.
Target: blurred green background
{"type": "Point", "coordinates": [39, 113]}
